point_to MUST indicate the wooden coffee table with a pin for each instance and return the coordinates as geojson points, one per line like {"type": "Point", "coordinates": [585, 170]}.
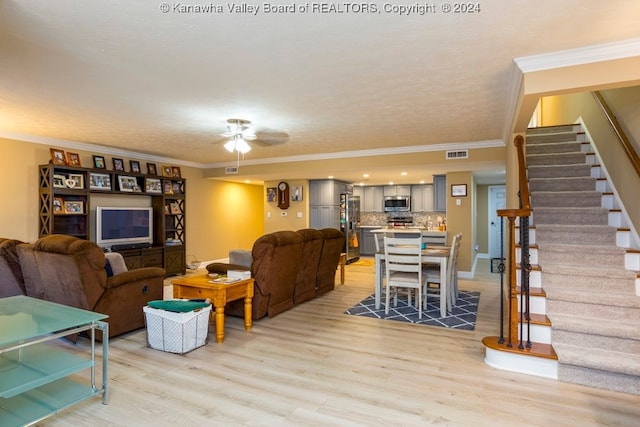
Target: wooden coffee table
{"type": "Point", "coordinates": [198, 286]}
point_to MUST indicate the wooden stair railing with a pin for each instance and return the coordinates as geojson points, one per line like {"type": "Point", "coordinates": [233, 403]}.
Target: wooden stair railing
{"type": "Point", "coordinates": [627, 146]}
{"type": "Point", "coordinates": [516, 315]}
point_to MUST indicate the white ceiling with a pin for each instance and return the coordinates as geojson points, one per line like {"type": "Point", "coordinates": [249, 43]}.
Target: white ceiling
{"type": "Point", "coordinates": [125, 75]}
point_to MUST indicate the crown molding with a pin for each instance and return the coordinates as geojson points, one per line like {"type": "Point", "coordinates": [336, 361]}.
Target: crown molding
{"type": "Point", "coordinates": [95, 148]}
{"type": "Point", "coordinates": [584, 55]}
{"type": "Point", "coordinates": [367, 153]}
{"type": "Point", "coordinates": [101, 149]}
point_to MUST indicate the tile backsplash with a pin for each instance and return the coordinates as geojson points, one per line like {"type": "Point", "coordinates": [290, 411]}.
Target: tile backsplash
{"type": "Point", "coordinates": [420, 219]}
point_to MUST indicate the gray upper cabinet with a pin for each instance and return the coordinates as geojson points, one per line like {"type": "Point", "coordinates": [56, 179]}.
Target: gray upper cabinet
{"type": "Point", "coordinates": [422, 198]}
{"type": "Point", "coordinates": [440, 193]}
{"type": "Point", "coordinates": [373, 200]}
{"type": "Point", "coordinates": [327, 192]}
{"type": "Point", "coordinates": [397, 190]}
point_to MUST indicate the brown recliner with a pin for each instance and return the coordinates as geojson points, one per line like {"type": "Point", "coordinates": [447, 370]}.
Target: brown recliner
{"type": "Point", "coordinates": [276, 261]}
{"type": "Point", "coordinates": [71, 271]}
{"type": "Point", "coordinates": [306, 283]}
{"type": "Point", "coordinates": [331, 249]}
{"type": "Point", "coordinates": [11, 280]}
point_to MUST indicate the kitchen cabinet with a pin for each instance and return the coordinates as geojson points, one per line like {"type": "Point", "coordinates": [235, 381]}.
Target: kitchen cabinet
{"type": "Point", "coordinates": [440, 193]}
{"type": "Point", "coordinates": [422, 198]}
{"type": "Point", "coordinates": [324, 217]}
{"type": "Point", "coordinates": [367, 241]}
{"type": "Point", "coordinates": [373, 199]}
{"type": "Point", "coordinates": [327, 192]}
{"type": "Point", "coordinates": [359, 192]}
{"type": "Point", "coordinates": [397, 190]}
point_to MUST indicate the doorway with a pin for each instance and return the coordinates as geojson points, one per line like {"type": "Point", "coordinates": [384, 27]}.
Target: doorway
{"type": "Point", "coordinates": [497, 200]}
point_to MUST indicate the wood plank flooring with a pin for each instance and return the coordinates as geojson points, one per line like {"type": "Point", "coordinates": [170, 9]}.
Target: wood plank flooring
{"type": "Point", "coordinates": [315, 366]}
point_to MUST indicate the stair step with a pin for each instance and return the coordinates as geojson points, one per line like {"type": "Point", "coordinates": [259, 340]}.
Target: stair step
{"type": "Point", "coordinates": [549, 147]}
{"type": "Point", "coordinates": [538, 319]}
{"type": "Point", "coordinates": [572, 184]}
{"type": "Point", "coordinates": [602, 360]}
{"type": "Point", "coordinates": [581, 255]}
{"type": "Point", "coordinates": [544, 351]}
{"type": "Point", "coordinates": [576, 234]}
{"type": "Point", "coordinates": [571, 215]}
{"type": "Point", "coordinates": [557, 171]}
{"type": "Point", "coordinates": [587, 198]}
{"type": "Point", "coordinates": [599, 379]}
{"type": "Point", "coordinates": [565, 128]}
{"type": "Point", "coordinates": [598, 280]}
{"type": "Point", "coordinates": [603, 342]}
{"type": "Point", "coordinates": [556, 159]}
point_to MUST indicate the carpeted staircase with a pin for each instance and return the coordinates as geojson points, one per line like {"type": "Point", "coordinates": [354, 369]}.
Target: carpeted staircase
{"type": "Point", "coordinates": [591, 300]}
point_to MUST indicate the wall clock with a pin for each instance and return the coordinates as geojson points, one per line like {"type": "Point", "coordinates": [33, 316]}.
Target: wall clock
{"type": "Point", "coordinates": [283, 195]}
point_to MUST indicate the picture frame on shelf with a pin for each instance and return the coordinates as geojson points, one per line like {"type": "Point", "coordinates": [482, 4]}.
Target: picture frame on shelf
{"type": "Point", "coordinates": [77, 179]}
{"type": "Point", "coordinates": [135, 166]}
{"type": "Point", "coordinates": [118, 164]}
{"type": "Point", "coordinates": [166, 171]}
{"type": "Point", "coordinates": [73, 207]}
{"type": "Point", "coordinates": [99, 162]}
{"type": "Point", "coordinates": [73, 159]}
{"type": "Point", "coordinates": [59, 181]}
{"type": "Point", "coordinates": [58, 205]}
{"type": "Point", "coordinates": [168, 189]}
{"type": "Point", "coordinates": [458, 190]}
{"type": "Point", "coordinates": [57, 156]}
{"type": "Point", "coordinates": [128, 184]}
{"type": "Point", "coordinates": [100, 181]}
{"type": "Point", "coordinates": [152, 186]}
{"type": "Point", "coordinates": [175, 172]}
{"type": "Point", "coordinates": [151, 169]}
{"type": "Point", "coordinates": [177, 187]}
{"type": "Point", "coordinates": [174, 208]}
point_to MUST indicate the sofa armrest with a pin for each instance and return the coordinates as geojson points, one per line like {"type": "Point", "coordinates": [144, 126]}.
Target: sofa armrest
{"type": "Point", "coordinates": [222, 268]}
{"type": "Point", "coordinates": [145, 273]}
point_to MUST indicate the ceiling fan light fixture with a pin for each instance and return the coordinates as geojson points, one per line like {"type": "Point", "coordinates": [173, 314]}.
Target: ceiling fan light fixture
{"type": "Point", "coordinates": [230, 145]}
{"type": "Point", "coordinates": [242, 146]}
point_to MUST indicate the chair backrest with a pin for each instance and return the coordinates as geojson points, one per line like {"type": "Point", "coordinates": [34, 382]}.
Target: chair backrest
{"type": "Point", "coordinates": [454, 251]}
{"type": "Point", "coordinates": [64, 269]}
{"type": "Point", "coordinates": [403, 255]}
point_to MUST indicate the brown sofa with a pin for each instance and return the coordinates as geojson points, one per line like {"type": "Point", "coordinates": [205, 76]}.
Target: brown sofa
{"type": "Point", "coordinates": [71, 271]}
{"type": "Point", "coordinates": [286, 267]}
{"type": "Point", "coordinates": [11, 280]}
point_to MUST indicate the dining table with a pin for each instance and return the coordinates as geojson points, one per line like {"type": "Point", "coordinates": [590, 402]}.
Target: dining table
{"type": "Point", "coordinates": [435, 254]}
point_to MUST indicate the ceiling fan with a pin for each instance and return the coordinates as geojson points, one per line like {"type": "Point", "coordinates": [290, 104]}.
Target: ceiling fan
{"type": "Point", "coordinates": [239, 132]}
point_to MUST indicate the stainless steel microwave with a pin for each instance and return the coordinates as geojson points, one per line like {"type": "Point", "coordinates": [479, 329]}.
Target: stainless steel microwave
{"type": "Point", "coordinates": [397, 204]}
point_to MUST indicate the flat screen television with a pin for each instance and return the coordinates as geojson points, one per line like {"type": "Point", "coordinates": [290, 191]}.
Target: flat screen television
{"type": "Point", "coordinates": [123, 226]}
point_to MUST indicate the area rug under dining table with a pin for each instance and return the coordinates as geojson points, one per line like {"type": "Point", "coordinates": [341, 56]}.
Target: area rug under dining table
{"type": "Point", "coordinates": [462, 315]}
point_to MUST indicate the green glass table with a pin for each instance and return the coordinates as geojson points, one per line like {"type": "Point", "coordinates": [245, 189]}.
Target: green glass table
{"type": "Point", "coordinates": [34, 375]}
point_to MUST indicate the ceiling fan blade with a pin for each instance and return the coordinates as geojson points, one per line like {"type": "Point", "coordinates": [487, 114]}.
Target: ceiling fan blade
{"type": "Point", "coordinates": [270, 138]}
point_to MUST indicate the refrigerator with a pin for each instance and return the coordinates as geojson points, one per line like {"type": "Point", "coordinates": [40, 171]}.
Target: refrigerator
{"type": "Point", "coordinates": [350, 225]}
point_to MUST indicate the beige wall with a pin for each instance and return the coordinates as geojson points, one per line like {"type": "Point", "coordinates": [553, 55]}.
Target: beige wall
{"type": "Point", "coordinates": [460, 218]}
{"type": "Point", "coordinates": [570, 108]}
{"type": "Point", "coordinates": [295, 217]}
{"type": "Point", "coordinates": [219, 215]}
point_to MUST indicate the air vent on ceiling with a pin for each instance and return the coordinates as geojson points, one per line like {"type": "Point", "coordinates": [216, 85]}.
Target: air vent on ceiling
{"type": "Point", "coordinates": [230, 170]}
{"type": "Point", "coordinates": [460, 154]}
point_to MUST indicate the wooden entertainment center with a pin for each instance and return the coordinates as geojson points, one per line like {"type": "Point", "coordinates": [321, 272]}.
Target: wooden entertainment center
{"type": "Point", "coordinates": [65, 200]}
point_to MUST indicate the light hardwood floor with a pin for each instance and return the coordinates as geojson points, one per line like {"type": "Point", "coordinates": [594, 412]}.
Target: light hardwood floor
{"type": "Point", "coordinates": [315, 366]}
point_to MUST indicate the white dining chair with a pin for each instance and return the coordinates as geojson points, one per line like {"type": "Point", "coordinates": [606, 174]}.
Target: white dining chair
{"type": "Point", "coordinates": [403, 267]}
{"type": "Point", "coordinates": [431, 272]}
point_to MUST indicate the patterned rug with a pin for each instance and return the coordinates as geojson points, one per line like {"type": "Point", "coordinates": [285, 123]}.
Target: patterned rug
{"type": "Point", "coordinates": [462, 316]}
